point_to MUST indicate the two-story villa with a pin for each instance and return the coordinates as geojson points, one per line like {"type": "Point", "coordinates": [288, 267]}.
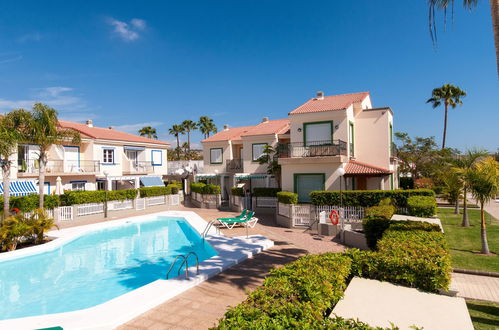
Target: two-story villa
{"type": "Point", "coordinates": [323, 141]}
{"type": "Point", "coordinates": [124, 160]}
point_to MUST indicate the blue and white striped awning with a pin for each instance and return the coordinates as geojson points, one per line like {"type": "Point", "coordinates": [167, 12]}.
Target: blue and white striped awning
{"type": "Point", "coordinates": [20, 188]}
{"type": "Point", "coordinates": [247, 176]}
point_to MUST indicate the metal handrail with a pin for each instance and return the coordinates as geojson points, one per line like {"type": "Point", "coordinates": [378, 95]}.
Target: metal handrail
{"type": "Point", "coordinates": [187, 264]}
{"type": "Point", "coordinates": [173, 264]}
{"type": "Point", "coordinates": [207, 229]}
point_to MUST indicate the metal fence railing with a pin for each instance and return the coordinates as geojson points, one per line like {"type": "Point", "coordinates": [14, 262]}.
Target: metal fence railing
{"type": "Point", "coordinates": [312, 149]}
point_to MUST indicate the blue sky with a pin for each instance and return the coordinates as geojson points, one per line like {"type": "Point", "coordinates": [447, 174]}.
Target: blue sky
{"type": "Point", "coordinates": [130, 63]}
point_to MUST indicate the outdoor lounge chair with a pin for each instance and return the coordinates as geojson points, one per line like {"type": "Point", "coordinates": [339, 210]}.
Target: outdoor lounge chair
{"type": "Point", "coordinates": [249, 221]}
{"type": "Point", "coordinates": [239, 217]}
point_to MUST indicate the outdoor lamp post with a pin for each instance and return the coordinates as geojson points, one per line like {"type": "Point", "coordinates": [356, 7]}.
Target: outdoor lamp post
{"type": "Point", "coordinates": [341, 173]}
{"type": "Point", "coordinates": [106, 174]}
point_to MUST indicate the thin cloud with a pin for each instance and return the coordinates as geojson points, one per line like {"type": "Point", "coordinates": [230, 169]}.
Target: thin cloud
{"type": "Point", "coordinates": [134, 128]}
{"type": "Point", "coordinates": [11, 59]}
{"type": "Point", "coordinates": [127, 31]}
{"type": "Point", "coordinates": [34, 36]}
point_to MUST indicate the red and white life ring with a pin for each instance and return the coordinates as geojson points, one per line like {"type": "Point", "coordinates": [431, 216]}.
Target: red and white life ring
{"type": "Point", "coordinates": [334, 216]}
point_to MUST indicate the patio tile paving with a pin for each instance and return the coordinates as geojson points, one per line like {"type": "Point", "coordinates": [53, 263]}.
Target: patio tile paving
{"type": "Point", "coordinates": [476, 286]}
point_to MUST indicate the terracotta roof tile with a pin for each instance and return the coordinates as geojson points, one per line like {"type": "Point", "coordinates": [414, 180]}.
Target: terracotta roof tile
{"type": "Point", "coordinates": [107, 134]}
{"type": "Point", "coordinates": [276, 126]}
{"type": "Point", "coordinates": [358, 168]}
{"type": "Point", "coordinates": [329, 103]}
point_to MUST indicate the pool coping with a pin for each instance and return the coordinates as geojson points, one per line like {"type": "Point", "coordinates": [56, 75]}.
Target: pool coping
{"type": "Point", "coordinates": [119, 310]}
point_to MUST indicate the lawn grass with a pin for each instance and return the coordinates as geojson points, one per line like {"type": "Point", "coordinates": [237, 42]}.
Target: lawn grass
{"type": "Point", "coordinates": [484, 315]}
{"type": "Point", "coordinates": [464, 242]}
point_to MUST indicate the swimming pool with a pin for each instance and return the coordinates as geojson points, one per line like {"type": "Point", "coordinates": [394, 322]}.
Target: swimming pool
{"type": "Point", "coordinates": [96, 267]}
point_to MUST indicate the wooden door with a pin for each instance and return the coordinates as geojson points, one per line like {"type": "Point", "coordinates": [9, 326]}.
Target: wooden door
{"type": "Point", "coordinates": [361, 183]}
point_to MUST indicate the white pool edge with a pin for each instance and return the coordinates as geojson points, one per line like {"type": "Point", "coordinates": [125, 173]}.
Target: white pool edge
{"type": "Point", "coordinates": [111, 314]}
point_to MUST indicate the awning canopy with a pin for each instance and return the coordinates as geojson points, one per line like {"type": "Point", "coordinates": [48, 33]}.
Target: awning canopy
{"type": "Point", "coordinates": [20, 188]}
{"type": "Point", "coordinates": [354, 168]}
{"type": "Point", "coordinates": [246, 176]}
{"type": "Point", "coordinates": [206, 175]}
{"type": "Point", "coordinates": [134, 148]}
{"type": "Point", "coordinates": [151, 181]}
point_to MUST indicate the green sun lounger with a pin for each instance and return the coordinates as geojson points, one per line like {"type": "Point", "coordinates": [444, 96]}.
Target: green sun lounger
{"type": "Point", "coordinates": [239, 217]}
{"type": "Point", "coordinates": [249, 221]}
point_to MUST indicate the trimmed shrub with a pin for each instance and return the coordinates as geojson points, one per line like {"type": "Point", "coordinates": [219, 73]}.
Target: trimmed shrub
{"type": "Point", "coordinates": [409, 225]}
{"type": "Point", "coordinates": [155, 191]}
{"type": "Point", "coordinates": [299, 295]}
{"type": "Point", "coordinates": [385, 212]}
{"type": "Point", "coordinates": [374, 229]}
{"type": "Point", "coordinates": [30, 202]}
{"type": "Point", "coordinates": [235, 191]}
{"type": "Point", "coordinates": [205, 189]}
{"type": "Point", "coordinates": [197, 187]}
{"type": "Point", "coordinates": [287, 197]}
{"type": "Point", "coordinates": [265, 192]}
{"type": "Point", "coordinates": [421, 206]}
{"type": "Point", "coordinates": [83, 197]}
{"type": "Point", "coordinates": [367, 198]}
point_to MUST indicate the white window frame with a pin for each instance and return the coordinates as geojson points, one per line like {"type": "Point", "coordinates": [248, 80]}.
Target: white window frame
{"type": "Point", "coordinates": [110, 158]}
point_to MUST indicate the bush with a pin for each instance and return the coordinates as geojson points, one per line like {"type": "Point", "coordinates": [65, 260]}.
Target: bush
{"type": "Point", "coordinates": [385, 212]}
{"type": "Point", "coordinates": [265, 192]}
{"type": "Point", "coordinates": [155, 191]}
{"type": "Point", "coordinates": [406, 183]}
{"type": "Point", "coordinates": [423, 183]}
{"type": "Point", "coordinates": [205, 189]}
{"type": "Point", "coordinates": [374, 229]}
{"type": "Point", "coordinates": [30, 202]}
{"type": "Point", "coordinates": [299, 295]}
{"type": "Point", "coordinates": [367, 198]}
{"type": "Point", "coordinates": [235, 191]}
{"type": "Point", "coordinates": [83, 197]}
{"type": "Point", "coordinates": [421, 206]}
{"type": "Point", "coordinates": [287, 197]}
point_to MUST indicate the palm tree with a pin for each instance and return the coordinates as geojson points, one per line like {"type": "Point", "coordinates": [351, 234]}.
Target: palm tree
{"type": "Point", "coordinates": [483, 178]}
{"type": "Point", "coordinates": [433, 5]}
{"type": "Point", "coordinates": [10, 136]}
{"type": "Point", "coordinates": [206, 126]}
{"type": "Point", "coordinates": [149, 132]}
{"type": "Point", "coordinates": [176, 130]}
{"type": "Point", "coordinates": [42, 128]}
{"type": "Point", "coordinates": [189, 126]}
{"type": "Point", "coordinates": [448, 95]}
{"type": "Point", "coordinates": [464, 163]}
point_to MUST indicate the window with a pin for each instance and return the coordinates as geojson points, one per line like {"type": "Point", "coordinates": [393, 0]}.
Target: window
{"type": "Point", "coordinates": [391, 139]}
{"type": "Point", "coordinates": [101, 185]}
{"type": "Point", "coordinates": [157, 157]}
{"type": "Point", "coordinates": [258, 149]}
{"type": "Point", "coordinates": [216, 156]}
{"type": "Point", "coordinates": [352, 139]}
{"type": "Point", "coordinates": [78, 186]}
{"type": "Point", "coordinates": [318, 133]}
{"type": "Point", "coordinates": [306, 183]}
{"type": "Point", "coordinates": [108, 156]}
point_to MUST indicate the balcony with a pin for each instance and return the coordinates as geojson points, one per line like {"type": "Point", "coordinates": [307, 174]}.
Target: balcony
{"type": "Point", "coordinates": [138, 167]}
{"type": "Point", "coordinates": [234, 165]}
{"type": "Point", "coordinates": [30, 167]}
{"type": "Point", "coordinates": [393, 151]}
{"type": "Point", "coordinates": [312, 149]}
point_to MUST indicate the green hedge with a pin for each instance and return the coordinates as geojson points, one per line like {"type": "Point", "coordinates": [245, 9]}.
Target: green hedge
{"type": "Point", "coordinates": [155, 191]}
{"type": "Point", "coordinates": [367, 198]}
{"type": "Point", "coordinates": [422, 206]}
{"type": "Point", "coordinates": [235, 191]}
{"type": "Point", "coordinates": [374, 229]}
{"type": "Point", "coordinates": [287, 197]}
{"type": "Point", "coordinates": [83, 197]}
{"type": "Point", "coordinates": [384, 211]}
{"type": "Point", "coordinates": [205, 189]}
{"type": "Point", "coordinates": [266, 192]}
{"type": "Point", "coordinates": [30, 202]}
{"type": "Point", "coordinates": [299, 295]}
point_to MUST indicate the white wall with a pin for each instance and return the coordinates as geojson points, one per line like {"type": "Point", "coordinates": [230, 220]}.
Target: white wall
{"type": "Point", "coordinates": [227, 155]}
{"type": "Point", "coordinates": [251, 166]}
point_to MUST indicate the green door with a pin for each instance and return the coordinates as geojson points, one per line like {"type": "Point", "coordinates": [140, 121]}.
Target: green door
{"type": "Point", "coordinates": [305, 183]}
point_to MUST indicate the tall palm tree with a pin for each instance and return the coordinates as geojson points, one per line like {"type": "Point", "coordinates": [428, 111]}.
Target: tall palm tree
{"type": "Point", "coordinates": [176, 130]}
{"type": "Point", "coordinates": [434, 5]}
{"type": "Point", "coordinates": [449, 95]}
{"type": "Point", "coordinates": [189, 126]}
{"type": "Point", "coordinates": [42, 128]}
{"type": "Point", "coordinates": [464, 163]}
{"type": "Point", "coordinates": [484, 183]}
{"type": "Point", "coordinates": [206, 126]}
{"type": "Point", "coordinates": [149, 132]}
{"type": "Point", "coordinates": [10, 136]}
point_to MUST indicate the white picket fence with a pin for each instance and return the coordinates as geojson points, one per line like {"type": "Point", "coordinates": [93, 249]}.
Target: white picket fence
{"type": "Point", "coordinates": [65, 213]}
{"type": "Point", "coordinates": [174, 200]}
{"type": "Point", "coordinates": [140, 204]}
{"type": "Point", "coordinates": [120, 205]}
{"type": "Point", "coordinates": [349, 213]}
{"type": "Point", "coordinates": [302, 214]}
{"type": "Point", "coordinates": [156, 200]}
{"type": "Point", "coordinates": [266, 202]}
{"type": "Point", "coordinates": [90, 208]}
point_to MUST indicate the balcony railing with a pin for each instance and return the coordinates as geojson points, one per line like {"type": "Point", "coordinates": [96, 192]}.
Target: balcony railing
{"type": "Point", "coordinates": [312, 149]}
{"type": "Point", "coordinates": [144, 167]}
{"type": "Point", "coordinates": [32, 166]}
{"type": "Point", "coordinates": [234, 165]}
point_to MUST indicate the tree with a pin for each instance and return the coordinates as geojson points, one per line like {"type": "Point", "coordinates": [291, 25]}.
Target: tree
{"type": "Point", "coordinates": [453, 185]}
{"type": "Point", "coordinates": [176, 130]}
{"type": "Point", "coordinates": [417, 155]}
{"type": "Point", "coordinates": [464, 163]}
{"type": "Point", "coordinates": [448, 95]}
{"type": "Point", "coordinates": [189, 126]}
{"type": "Point", "coordinates": [483, 180]}
{"type": "Point", "coordinates": [269, 157]}
{"type": "Point", "coordinates": [149, 132]}
{"type": "Point", "coordinates": [206, 126]}
{"type": "Point", "coordinates": [468, 4]}
{"type": "Point", "coordinates": [42, 128]}
{"type": "Point", "coordinates": [10, 136]}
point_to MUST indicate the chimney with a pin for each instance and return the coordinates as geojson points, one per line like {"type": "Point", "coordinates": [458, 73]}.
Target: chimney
{"type": "Point", "coordinates": [89, 123]}
{"type": "Point", "coordinates": [320, 95]}
{"type": "Point", "coordinates": [226, 127]}
{"type": "Point", "coordinates": [265, 119]}
{"type": "Point", "coordinates": [110, 127]}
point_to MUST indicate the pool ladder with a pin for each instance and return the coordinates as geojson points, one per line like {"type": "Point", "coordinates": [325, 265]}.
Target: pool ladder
{"type": "Point", "coordinates": [185, 258]}
{"type": "Point", "coordinates": [207, 228]}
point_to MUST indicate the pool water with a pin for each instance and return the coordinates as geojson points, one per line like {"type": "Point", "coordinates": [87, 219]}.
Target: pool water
{"type": "Point", "coordinates": [96, 267]}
